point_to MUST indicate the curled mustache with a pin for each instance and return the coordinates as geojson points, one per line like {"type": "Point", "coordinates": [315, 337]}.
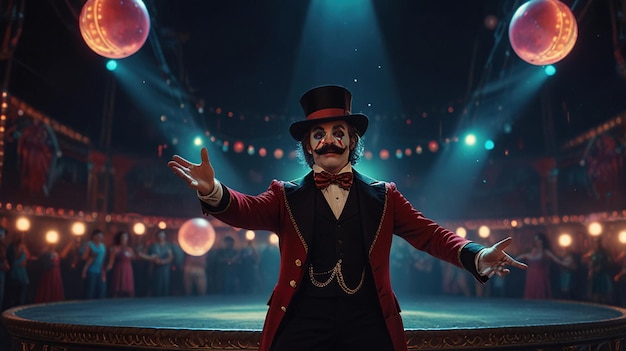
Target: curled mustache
{"type": "Point", "coordinates": [331, 148]}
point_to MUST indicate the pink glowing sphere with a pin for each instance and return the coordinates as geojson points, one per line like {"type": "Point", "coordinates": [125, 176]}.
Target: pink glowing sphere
{"type": "Point", "coordinates": [196, 236]}
{"type": "Point", "coordinates": [543, 32]}
{"type": "Point", "coordinates": [114, 28]}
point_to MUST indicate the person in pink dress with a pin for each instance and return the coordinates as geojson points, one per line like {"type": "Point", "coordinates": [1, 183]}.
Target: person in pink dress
{"type": "Point", "coordinates": [50, 287]}
{"type": "Point", "coordinates": [122, 282]}
{"type": "Point", "coordinates": [539, 261]}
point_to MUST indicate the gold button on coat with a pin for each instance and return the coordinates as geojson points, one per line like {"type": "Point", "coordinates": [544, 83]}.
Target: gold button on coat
{"type": "Point", "coordinates": [292, 283]}
{"type": "Point", "coordinates": [298, 262]}
{"type": "Point", "coordinates": [283, 308]}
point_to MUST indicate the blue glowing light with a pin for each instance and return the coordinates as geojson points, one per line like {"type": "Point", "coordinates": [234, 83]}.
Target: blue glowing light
{"type": "Point", "coordinates": [489, 145]}
{"type": "Point", "coordinates": [550, 70]}
{"type": "Point", "coordinates": [111, 65]}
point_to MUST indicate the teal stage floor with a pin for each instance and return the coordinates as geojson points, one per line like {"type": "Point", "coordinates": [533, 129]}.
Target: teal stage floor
{"type": "Point", "coordinates": [227, 323]}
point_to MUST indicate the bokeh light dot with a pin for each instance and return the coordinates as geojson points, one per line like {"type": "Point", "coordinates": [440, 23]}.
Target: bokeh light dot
{"type": "Point", "coordinates": [384, 154]}
{"type": "Point", "coordinates": [278, 154]}
{"type": "Point", "coordinates": [433, 146]}
{"type": "Point", "coordinates": [52, 237]}
{"type": "Point", "coordinates": [565, 240]}
{"type": "Point", "coordinates": [139, 228]}
{"type": "Point", "coordinates": [78, 228]}
{"type": "Point", "coordinates": [238, 147]}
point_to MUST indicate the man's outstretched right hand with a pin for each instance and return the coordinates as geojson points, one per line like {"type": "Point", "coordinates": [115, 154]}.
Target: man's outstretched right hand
{"type": "Point", "coordinates": [200, 177]}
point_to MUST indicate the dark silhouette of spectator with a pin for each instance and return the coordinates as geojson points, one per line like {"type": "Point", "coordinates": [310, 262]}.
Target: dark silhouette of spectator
{"type": "Point", "coordinates": [17, 280]}
{"type": "Point", "coordinates": [620, 278]}
{"type": "Point", "coordinates": [600, 284]}
{"type": "Point", "coordinates": [142, 268]}
{"type": "Point", "coordinates": [424, 274]}
{"type": "Point", "coordinates": [229, 261]}
{"type": "Point", "coordinates": [568, 279]}
{"type": "Point", "coordinates": [161, 255]}
{"type": "Point", "coordinates": [4, 264]}
{"type": "Point", "coordinates": [177, 270]}
{"type": "Point", "coordinates": [71, 267]}
{"type": "Point", "coordinates": [269, 264]}
{"type": "Point", "coordinates": [249, 272]}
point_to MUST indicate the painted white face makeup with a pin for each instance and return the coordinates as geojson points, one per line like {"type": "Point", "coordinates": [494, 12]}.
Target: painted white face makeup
{"type": "Point", "coordinates": [329, 143]}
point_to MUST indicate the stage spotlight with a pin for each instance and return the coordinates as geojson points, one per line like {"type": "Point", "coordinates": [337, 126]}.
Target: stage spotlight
{"type": "Point", "coordinates": [470, 140]}
{"type": "Point", "coordinates": [111, 65]}
{"type": "Point", "coordinates": [550, 70]}
{"type": "Point", "coordinates": [489, 145]}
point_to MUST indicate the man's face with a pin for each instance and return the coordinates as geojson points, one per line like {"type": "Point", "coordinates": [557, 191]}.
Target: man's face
{"type": "Point", "coordinates": [330, 145]}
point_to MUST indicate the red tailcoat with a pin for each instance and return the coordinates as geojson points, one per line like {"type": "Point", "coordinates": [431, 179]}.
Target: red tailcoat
{"type": "Point", "coordinates": [286, 209]}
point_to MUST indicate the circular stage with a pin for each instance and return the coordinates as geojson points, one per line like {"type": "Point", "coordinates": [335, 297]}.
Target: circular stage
{"type": "Point", "coordinates": [234, 323]}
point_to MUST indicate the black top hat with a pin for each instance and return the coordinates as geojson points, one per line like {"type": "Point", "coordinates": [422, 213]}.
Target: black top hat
{"type": "Point", "coordinates": [325, 104]}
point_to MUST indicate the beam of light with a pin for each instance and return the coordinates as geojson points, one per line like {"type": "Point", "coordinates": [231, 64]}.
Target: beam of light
{"type": "Point", "coordinates": [468, 162]}
{"type": "Point", "coordinates": [349, 51]}
{"type": "Point", "coordinates": [140, 79]}
{"type": "Point", "coordinates": [506, 95]}
{"type": "Point", "coordinates": [345, 50]}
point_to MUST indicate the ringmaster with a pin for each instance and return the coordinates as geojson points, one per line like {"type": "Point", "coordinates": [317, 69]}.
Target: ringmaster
{"type": "Point", "coordinates": [335, 228]}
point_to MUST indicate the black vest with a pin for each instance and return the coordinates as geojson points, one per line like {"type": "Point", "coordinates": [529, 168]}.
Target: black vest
{"type": "Point", "coordinates": [335, 239]}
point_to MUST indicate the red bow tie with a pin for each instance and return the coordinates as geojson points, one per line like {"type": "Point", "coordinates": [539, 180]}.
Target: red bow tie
{"type": "Point", "coordinates": [324, 179]}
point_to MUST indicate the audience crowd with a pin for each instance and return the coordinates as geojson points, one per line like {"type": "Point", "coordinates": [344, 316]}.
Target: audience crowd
{"type": "Point", "coordinates": [121, 265]}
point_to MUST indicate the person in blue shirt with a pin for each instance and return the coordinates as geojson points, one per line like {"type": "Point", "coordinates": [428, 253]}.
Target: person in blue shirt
{"type": "Point", "coordinates": [93, 273]}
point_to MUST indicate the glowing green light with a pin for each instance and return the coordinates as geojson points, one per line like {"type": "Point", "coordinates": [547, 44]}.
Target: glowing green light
{"type": "Point", "coordinates": [550, 70]}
